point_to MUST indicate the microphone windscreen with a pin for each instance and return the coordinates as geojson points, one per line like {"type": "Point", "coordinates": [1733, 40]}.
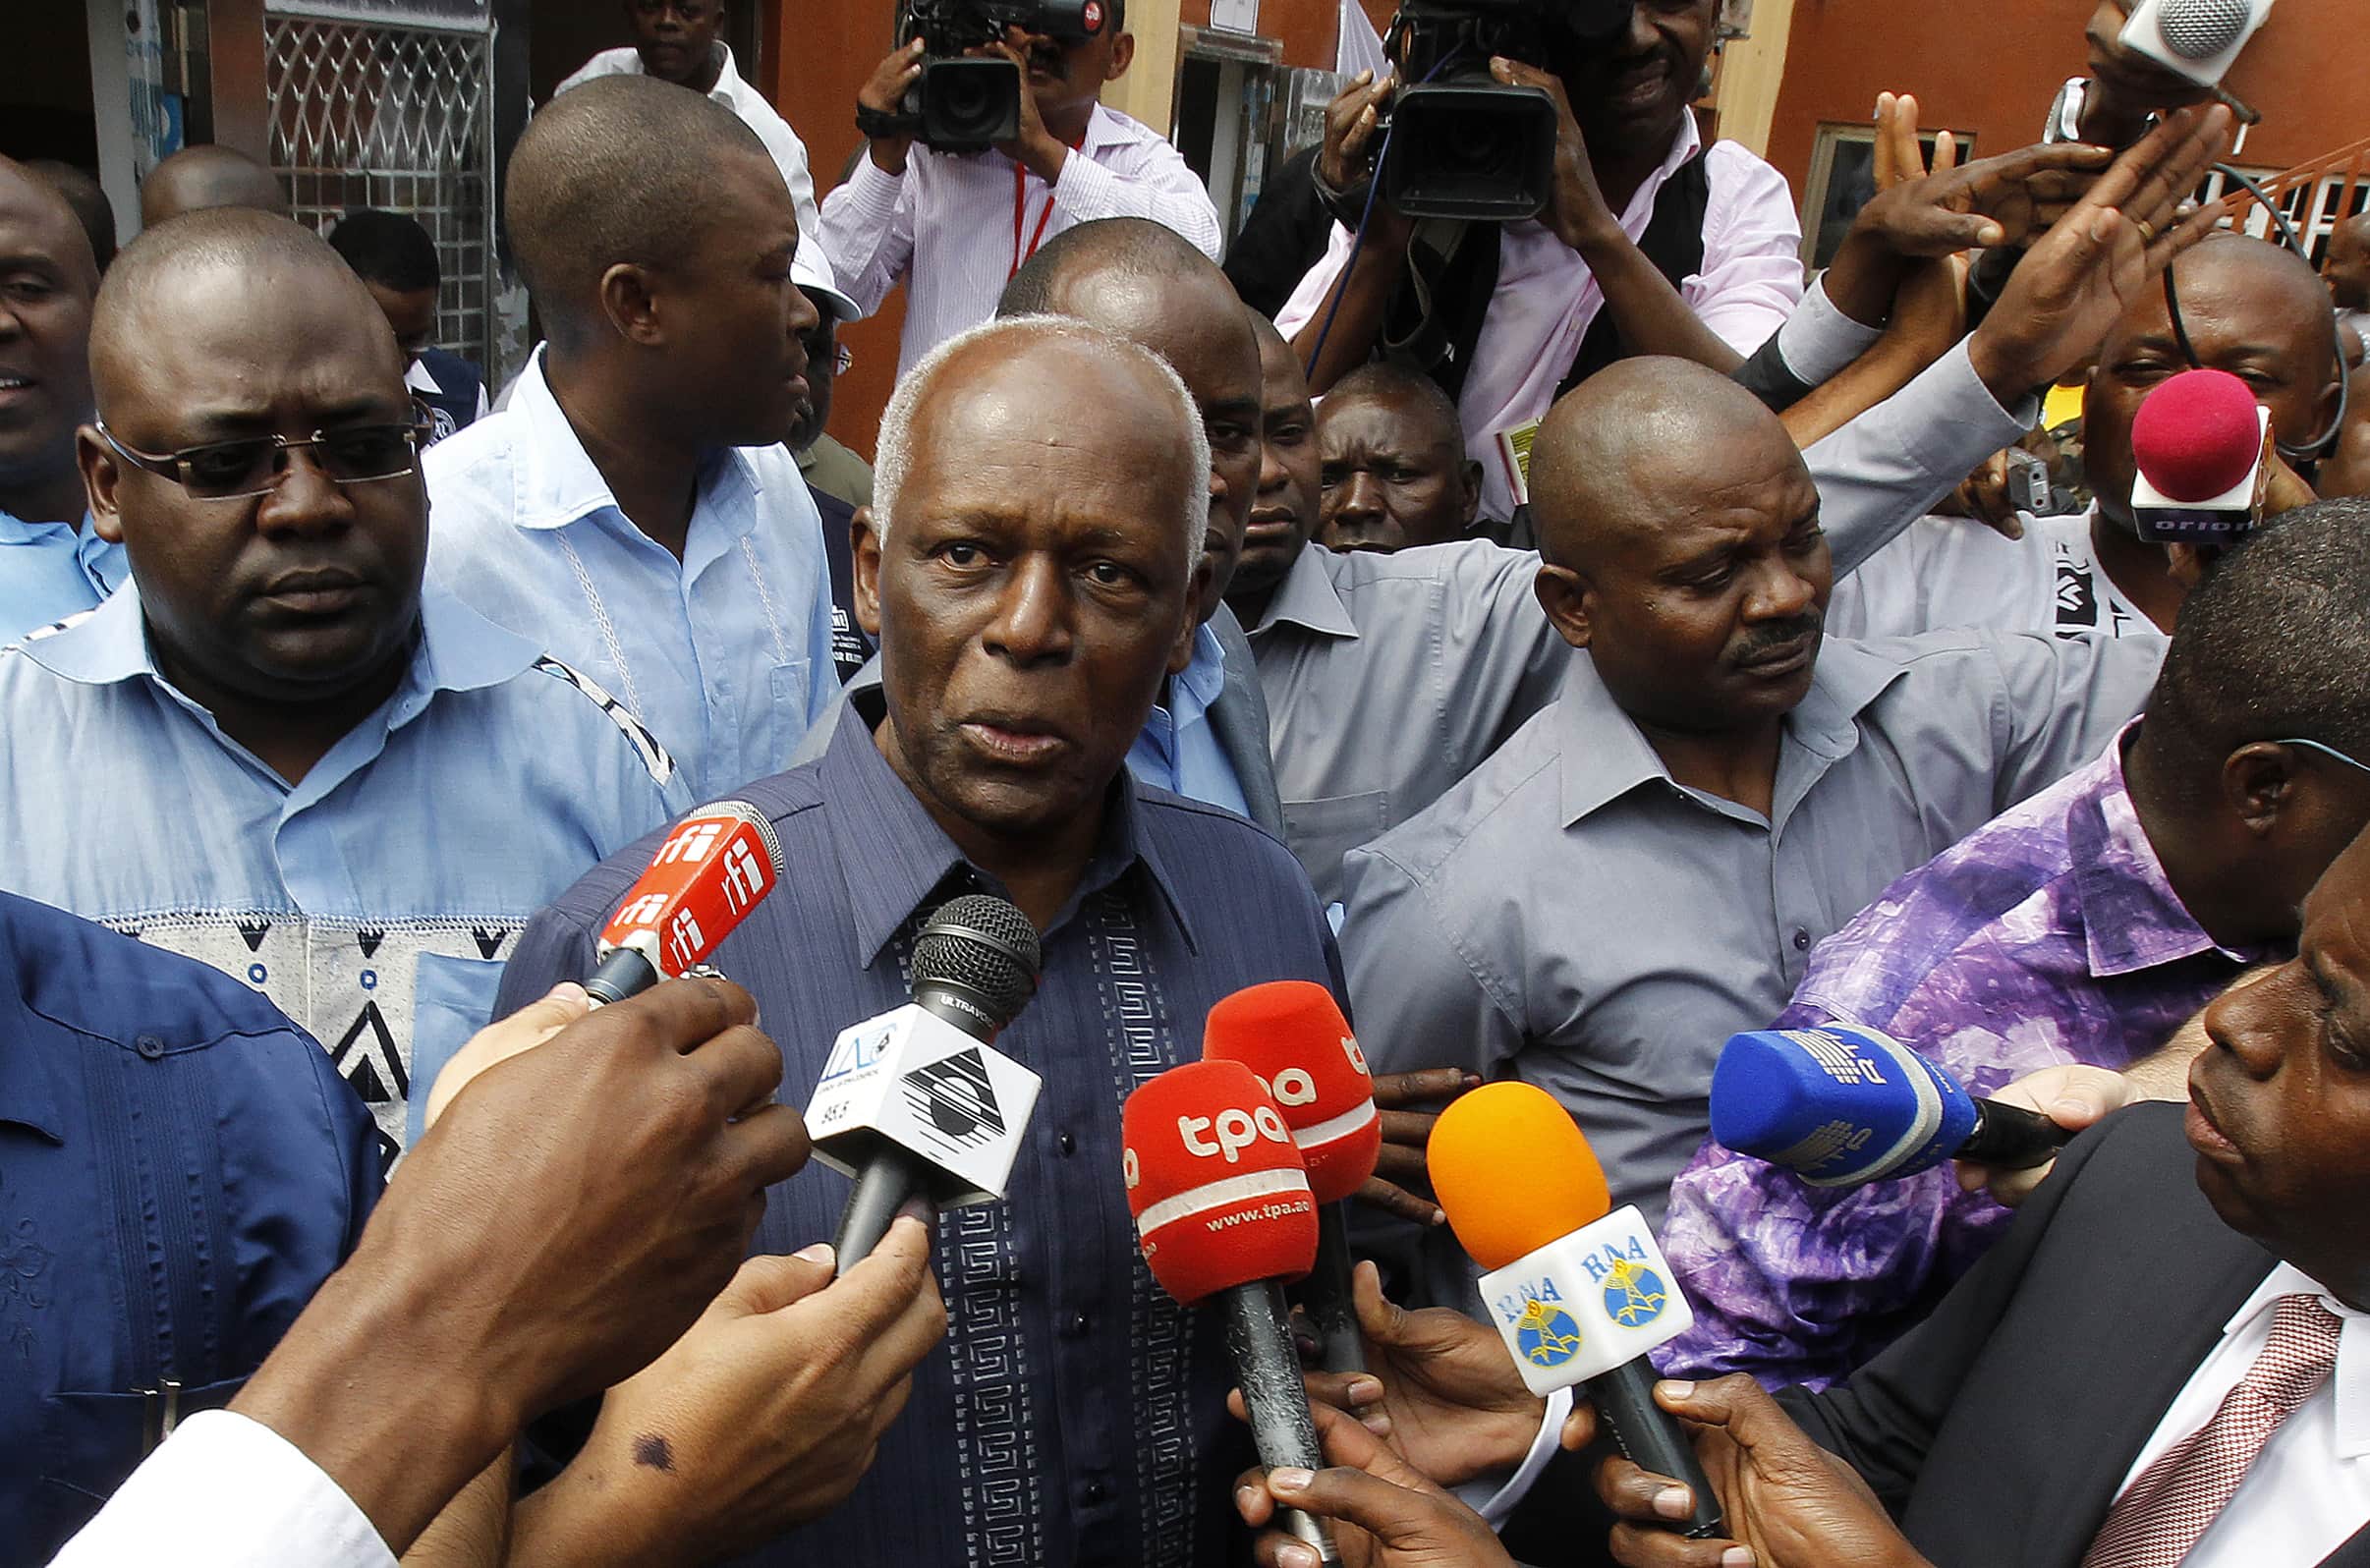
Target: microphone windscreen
{"type": "Point", "coordinates": [1512, 1172]}
{"type": "Point", "coordinates": [1292, 1034]}
{"type": "Point", "coordinates": [1837, 1105]}
{"type": "Point", "coordinates": [710, 871]}
{"type": "Point", "coordinates": [1215, 1182]}
{"type": "Point", "coordinates": [2197, 436]}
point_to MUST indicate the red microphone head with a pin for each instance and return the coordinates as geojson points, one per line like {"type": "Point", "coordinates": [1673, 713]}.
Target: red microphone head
{"type": "Point", "coordinates": [705, 878]}
{"type": "Point", "coordinates": [2197, 436]}
{"type": "Point", "coordinates": [1292, 1034]}
{"type": "Point", "coordinates": [1215, 1182]}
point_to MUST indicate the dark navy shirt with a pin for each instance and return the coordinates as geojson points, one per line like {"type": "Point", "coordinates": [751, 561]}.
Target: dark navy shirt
{"type": "Point", "coordinates": [1075, 1414]}
{"type": "Point", "coordinates": [180, 1168]}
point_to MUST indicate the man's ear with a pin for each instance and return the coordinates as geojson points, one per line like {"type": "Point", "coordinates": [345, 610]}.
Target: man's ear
{"type": "Point", "coordinates": [101, 473]}
{"type": "Point", "coordinates": [1123, 55]}
{"type": "Point", "coordinates": [1565, 594]}
{"type": "Point", "coordinates": [2258, 783]}
{"type": "Point", "coordinates": [1182, 654]}
{"type": "Point", "coordinates": [1473, 489]}
{"type": "Point", "coordinates": [864, 546]}
{"type": "Point", "coordinates": [630, 305]}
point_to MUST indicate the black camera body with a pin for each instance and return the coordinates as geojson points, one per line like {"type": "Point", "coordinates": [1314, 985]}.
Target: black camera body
{"type": "Point", "coordinates": [965, 104]}
{"type": "Point", "coordinates": [1462, 144]}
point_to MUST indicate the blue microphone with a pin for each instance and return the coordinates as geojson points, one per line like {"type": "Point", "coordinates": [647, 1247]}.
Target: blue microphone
{"type": "Point", "coordinates": [1839, 1106]}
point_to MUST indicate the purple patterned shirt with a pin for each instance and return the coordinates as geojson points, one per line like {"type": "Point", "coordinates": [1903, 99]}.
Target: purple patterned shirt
{"type": "Point", "coordinates": [2048, 935]}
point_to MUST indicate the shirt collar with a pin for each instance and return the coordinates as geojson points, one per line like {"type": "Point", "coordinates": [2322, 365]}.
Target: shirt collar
{"type": "Point", "coordinates": [2351, 1378]}
{"type": "Point", "coordinates": [1193, 689]}
{"type": "Point", "coordinates": [420, 378]}
{"type": "Point", "coordinates": [460, 651]}
{"type": "Point", "coordinates": [729, 86]}
{"type": "Point", "coordinates": [898, 859]}
{"type": "Point", "coordinates": [15, 529]}
{"type": "Point", "coordinates": [557, 481]}
{"type": "Point", "coordinates": [2131, 918]}
{"type": "Point", "coordinates": [1607, 755]}
{"type": "Point", "coordinates": [29, 1090]}
{"type": "Point", "coordinates": [1308, 597]}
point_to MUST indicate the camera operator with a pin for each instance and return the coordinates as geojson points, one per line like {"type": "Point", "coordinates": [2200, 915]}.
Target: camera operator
{"type": "Point", "coordinates": [1651, 242]}
{"type": "Point", "coordinates": [955, 226]}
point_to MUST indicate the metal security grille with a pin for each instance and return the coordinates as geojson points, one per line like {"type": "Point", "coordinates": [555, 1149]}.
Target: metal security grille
{"type": "Point", "coordinates": [365, 113]}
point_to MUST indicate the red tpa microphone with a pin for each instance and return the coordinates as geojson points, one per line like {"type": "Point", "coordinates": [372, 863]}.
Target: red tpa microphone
{"type": "Point", "coordinates": [1292, 1034]}
{"type": "Point", "coordinates": [706, 876]}
{"type": "Point", "coordinates": [1224, 1211]}
{"type": "Point", "coordinates": [2199, 442]}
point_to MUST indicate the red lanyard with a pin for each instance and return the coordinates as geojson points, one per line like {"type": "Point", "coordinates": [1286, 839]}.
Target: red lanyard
{"type": "Point", "coordinates": [1020, 208]}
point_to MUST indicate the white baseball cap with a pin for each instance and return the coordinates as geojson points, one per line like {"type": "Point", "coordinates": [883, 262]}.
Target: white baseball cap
{"type": "Point", "coordinates": [811, 270]}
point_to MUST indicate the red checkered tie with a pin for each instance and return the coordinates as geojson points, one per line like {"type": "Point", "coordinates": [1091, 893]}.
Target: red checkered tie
{"type": "Point", "coordinates": [2161, 1515]}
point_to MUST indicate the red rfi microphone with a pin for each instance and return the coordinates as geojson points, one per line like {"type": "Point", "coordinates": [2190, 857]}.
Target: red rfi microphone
{"type": "Point", "coordinates": [2200, 442]}
{"type": "Point", "coordinates": [1224, 1211]}
{"type": "Point", "coordinates": [712, 870]}
{"type": "Point", "coordinates": [1293, 1035]}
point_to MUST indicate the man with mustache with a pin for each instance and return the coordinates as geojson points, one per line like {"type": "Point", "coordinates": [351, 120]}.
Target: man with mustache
{"type": "Point", "coordinates": [1653, 242]}
{"type": "Point", "coordinates": [274, 750]}
{"type": "Point", "coordinates": [52, 563]}
{"type": "Point", "coordinates": [1645, 866]}
{"type": "Point", "coordinates": [1395, 474]}
{"type": "Point", "coordinates": [634, 509]}
{"type": "Point", "coordinates": [1030, 565]}
{"type": "Point", "coordinates": [955, 227]}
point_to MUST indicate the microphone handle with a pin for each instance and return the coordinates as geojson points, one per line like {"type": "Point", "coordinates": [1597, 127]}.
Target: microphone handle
{"type": "Point", "coordinates": [1258, 1336]}
{"type": "Point", "coordinates": [891, 1178]}
{"type": "Point", "coordinates": [1652, 1439]}
{"type": "Point", "coordinates": [1325, 1295]}
{"type": "Point", "coordinates": [2011, 1136]}
{"type": "Point", "coordinates": [621, 974]}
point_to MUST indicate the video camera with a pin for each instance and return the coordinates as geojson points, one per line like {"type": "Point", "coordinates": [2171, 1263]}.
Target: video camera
{"type": "Point", "coordinates": [1462, 144]}
{"type": "Point", "coordinates": [965, 104]}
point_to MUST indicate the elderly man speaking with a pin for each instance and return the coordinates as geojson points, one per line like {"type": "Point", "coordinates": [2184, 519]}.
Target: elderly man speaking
{"type": "Point", "coordinates": [1029, 568]}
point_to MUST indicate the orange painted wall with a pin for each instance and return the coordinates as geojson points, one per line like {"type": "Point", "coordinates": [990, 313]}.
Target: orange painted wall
{"type": "Point", "coordinates": [1993, 65]}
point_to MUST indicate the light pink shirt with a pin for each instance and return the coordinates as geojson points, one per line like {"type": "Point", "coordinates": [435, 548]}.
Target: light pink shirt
{"type": "Point", "coordinates": [1547, 299]}
{"type": "Point", "coordinates": [946, 226]}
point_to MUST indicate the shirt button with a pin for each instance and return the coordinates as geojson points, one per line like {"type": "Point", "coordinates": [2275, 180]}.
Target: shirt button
{"type": "Point", "coordinates": [1801, 940]}
{"type": "Point", "coordinates": [148, 1047]}
{"type": "Point", "coordinates": [1067, 1145]}
{"type": "Point", "coordinates": [1093, 1493]}
{"type": "Point", "coordinates": [1080, 1323]}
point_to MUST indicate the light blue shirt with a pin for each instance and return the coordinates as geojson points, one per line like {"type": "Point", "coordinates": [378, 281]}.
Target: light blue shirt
{"type": "Point", "coordinates": [725, 654]}
{"type": "Point", "coordinates": [49, 571]}
{"type": "Point", "coordinates": [1178, 749]}
{"type": "Point", "coordinates": [374, 901]}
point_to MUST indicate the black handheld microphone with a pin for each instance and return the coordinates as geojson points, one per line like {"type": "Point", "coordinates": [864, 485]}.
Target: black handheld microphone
{"type": "Point", "coordinates": [916, 1103]}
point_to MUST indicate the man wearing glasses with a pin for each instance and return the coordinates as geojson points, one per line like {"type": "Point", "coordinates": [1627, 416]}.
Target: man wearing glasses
{"type": "Point", "coordinates": [272, 750]}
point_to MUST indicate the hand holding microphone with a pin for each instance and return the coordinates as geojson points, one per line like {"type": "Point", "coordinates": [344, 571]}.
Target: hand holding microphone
{"type": "Point", "coordinates": [1224, 1213]}
{"type": "Point", "coordinates": [1292, 1036]}
{"type": "Point", "coordinates": [1579, 1295]}
{"type": "Point", "coordinates": [1841, 1106]}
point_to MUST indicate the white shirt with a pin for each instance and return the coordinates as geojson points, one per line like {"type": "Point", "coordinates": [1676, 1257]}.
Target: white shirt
{"type": "Point", "coordinates": [1546, 298]}
{"type": "Point", "coordinates": [2308, 1491]}
{"type": "Point", "coordinates": [789, 152]}
{"type": "Point", "coordinates": [957, 226]}
{"type": "Point", "coordinates": [1949, 571]}
{"type": "Point", "coordinates": [224, 1491]}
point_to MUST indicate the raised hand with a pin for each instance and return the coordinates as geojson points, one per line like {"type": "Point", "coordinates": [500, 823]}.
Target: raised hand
{"type": "Point", "coordinates": [1410, 1102]}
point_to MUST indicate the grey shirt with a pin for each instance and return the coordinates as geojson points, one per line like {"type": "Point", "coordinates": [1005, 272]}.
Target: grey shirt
{"type": "Point", "coordinates": [1390, 677]}
{"type": "Point", "coordinates": [1571, 917]}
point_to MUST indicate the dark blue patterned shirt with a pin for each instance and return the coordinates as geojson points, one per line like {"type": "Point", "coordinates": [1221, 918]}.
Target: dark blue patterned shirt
{"type": "Point", "coordinates": [1075, 1414]}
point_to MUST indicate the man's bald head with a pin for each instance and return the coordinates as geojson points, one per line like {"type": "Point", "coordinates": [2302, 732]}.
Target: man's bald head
{"type": "Point", "coordinates": [2348, 267]}
{"type": "Point", "coordinates": [41, 218]}
{"type": "Point", "coordinates": [45, 351]}
{"type": "Point", "coordinates": [1106, 250]}
{"type": "Point", "coordinates": [1632, 447]}
{"type": "Point", "coordinates": [158, 287]}
{"type": "Point", "coordinates": [211, 175]}
{"type": "Point", "coordinates": [84, 195]}
{"type": "Point", "coordinates": [1680, 534]}
{"type": "Point", "coordinates": [620, 170]}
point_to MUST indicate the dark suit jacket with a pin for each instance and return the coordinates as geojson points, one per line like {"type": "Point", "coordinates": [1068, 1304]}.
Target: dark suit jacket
{"type": "Point", "coordinates": [1997, 1429]}
{"type": "Point", "coordinates": [1238, 718]}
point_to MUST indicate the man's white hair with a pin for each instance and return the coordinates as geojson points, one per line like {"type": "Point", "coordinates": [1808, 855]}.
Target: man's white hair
{"type": "Point", "coordinates": [894, 452]}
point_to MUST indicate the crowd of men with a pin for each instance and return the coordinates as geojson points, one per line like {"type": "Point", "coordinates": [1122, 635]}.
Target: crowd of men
{"type": "Point", "coordinates": [1572, 640]}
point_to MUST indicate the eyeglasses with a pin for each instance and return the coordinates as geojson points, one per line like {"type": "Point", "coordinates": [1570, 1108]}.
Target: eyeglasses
{"type": "Point", "coordinates": [842, 358]}
{"type": "Point", "coordinates": [2326, 750]}
{"type": "Point", "coordinates": [232, 471]}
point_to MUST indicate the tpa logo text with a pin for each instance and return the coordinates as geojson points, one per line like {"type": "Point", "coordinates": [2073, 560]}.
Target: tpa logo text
{"type": "Point", "coordinates": [1293, 1087]}
{"type": "Point", "coordinates": [1231, 1132]}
